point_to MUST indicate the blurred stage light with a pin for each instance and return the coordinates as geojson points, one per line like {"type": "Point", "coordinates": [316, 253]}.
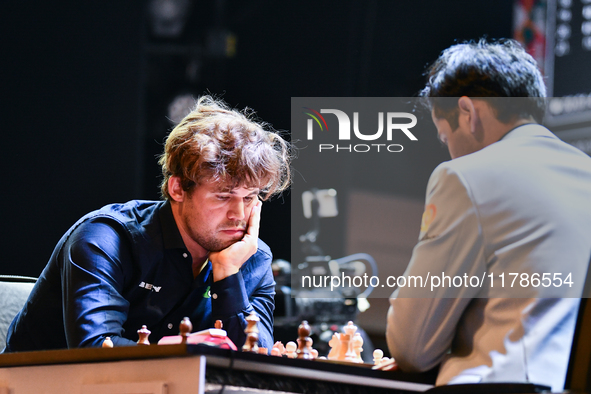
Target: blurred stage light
{"type": "Point", "coordinates": [180, 107]}
{"type": "Point", "coordinates": [168, 17]}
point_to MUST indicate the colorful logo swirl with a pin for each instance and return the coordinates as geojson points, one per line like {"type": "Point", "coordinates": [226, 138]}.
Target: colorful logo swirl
{"type": "Point", "coordinates": [316, 118]}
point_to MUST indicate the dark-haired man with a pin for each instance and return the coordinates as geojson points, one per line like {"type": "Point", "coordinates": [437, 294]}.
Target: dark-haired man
{"type": "Point", "coordinates": [196, 254]}
{"type": "Point", "coordinates": [513, 199]}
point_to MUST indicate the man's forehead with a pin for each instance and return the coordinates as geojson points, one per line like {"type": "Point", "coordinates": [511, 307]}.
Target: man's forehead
{"type": "Point", "coordinates": [228, 187]}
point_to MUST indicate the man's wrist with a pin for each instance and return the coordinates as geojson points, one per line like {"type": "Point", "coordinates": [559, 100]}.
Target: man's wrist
{"type": "Point", "coordinates": [228, 296]}
{"type": "Point", "coordinates": [220, 273]}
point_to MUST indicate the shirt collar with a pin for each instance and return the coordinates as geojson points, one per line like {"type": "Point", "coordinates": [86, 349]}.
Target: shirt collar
{"type": "Point", "coordinates": [170, 233]}
{"type": "Point", "coordinates": [529, 130]}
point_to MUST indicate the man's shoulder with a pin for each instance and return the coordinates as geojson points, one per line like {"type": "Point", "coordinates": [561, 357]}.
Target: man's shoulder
{"type": "Point", "coordinates": [524, 145]}
{"type": "Point", "coordinates": [474, 162]}
{"type": "Point", "coordinates": [133, 217]}
{"type": "Point", "coordinates": [449, 169]}
{"type": "Point", "coordinates": [136, 209]}
{"type": "Point", "coordinates": [131, 213]}
{"type": "Point", "coordinates": [463, 174]}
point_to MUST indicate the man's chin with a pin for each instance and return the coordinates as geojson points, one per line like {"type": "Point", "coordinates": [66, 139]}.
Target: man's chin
{"type": "Point", "coordinates": [220, 245]}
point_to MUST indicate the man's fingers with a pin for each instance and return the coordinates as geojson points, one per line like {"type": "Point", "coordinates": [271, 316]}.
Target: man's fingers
{"type": "Point", "coordinates": [255, 220]}
{"type": "Point", "coordinates": [389, 365]}
{"type": "Point", "coordinates": [228, 261]}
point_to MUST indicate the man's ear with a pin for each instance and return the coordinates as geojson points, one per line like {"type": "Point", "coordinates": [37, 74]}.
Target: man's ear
{"type": "Point", "coordinates": [468, 115]}
{"type": "Point", "coordinates": [175, 189]}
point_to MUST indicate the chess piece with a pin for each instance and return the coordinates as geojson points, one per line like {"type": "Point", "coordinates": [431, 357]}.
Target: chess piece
{"type": "Point", "coordinates": [388, 365]}
{"type": "Point", "coordinates": [185, 329]}
{"type": "Point", "coordinates": [250, 345]}
{"type": "Point", "coordinates": [335, 344]}
{"type": "Point", "coordinates": [304, 341]}
{"type": "Point", "coordinates": [378, 354]}
{"type": "Point", "coordinates": [345, 340]}
{"type": "Point", "coordinates": [107, 342]}
{"type": "Point", "coordinates": [346, 352]}
{"type": "Point", "coordinates": [275, 352]}
{"type": "Point", "coordinates": [280, 348]}
{"type": "Point", "coordinates": [143, 333]}
{"type": "Point", "coordinates": [350, 329]}
{"type": "Point", "coordinates": [313, 352]}
{"type": "Point", "coordinates": [290, 349]}
{"type": "Point", "coordinates": [263, 350]}
{"type": "Point", "coordinates": [384, 363]}
{"type": "Point", "coordinates": [357, 347]}
{"type": "Point", "coordinates": [252, 334]}
{"type": "Point", "coordinates": [350, 355]}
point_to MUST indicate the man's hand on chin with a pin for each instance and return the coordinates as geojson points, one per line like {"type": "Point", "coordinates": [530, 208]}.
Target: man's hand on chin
{"type": "Point", "coordinates": [228, 261]}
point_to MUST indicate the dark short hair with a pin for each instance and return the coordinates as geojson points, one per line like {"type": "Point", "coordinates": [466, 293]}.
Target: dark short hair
{"type": "Point", "coordinates": [492, 70]}
{"type": "Point", "coordinates": [215, 142]}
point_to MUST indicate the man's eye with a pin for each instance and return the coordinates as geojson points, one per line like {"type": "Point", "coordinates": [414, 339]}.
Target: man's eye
{"type": "Point", "coordinates": [248, 199]}
{"type": "Point", "coordinates": [222, 198]}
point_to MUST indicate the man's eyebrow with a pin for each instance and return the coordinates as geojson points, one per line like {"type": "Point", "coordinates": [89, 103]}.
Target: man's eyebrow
{"type": "Point", "coordinates": [232, 191]}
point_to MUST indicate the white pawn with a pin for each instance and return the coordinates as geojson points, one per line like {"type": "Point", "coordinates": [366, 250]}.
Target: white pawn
{"type": "Point", "coordinates": [290, 349]}
{"type": "Point", "coordinates": [108, 343]}
{"type": "Point", "coordinates": [377, 356]}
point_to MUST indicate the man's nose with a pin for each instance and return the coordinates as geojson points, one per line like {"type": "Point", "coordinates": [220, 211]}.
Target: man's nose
{"type": "Point", "coordinates": [236, 210]}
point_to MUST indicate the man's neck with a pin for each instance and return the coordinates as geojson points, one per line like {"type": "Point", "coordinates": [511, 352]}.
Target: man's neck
{"type": "Point", "coordinates": [198, 253]}
{"type": "Point", "coordinates": [500, 129]}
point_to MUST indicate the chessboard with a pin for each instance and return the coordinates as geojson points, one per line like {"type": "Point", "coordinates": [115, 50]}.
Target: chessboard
{"type": "Point", "coordinates": [215, 364]}
{"type": "Point", "coordinates": [346, 346]}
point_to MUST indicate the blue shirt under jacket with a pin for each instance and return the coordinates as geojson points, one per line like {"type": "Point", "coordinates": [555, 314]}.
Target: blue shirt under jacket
{"type": "Point", "coordinates": [125, 266]}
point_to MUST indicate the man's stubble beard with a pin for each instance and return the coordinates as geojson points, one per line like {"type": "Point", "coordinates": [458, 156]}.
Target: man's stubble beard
{"type": "Point", "coordinates": [212, 243]}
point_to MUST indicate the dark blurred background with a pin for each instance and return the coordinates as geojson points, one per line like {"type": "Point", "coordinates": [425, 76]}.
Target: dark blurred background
{"type": "Point", "coordinates": [86, 88]}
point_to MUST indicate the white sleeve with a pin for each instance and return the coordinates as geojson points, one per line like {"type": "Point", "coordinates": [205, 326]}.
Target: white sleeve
{"type": "Point", "coordinates": [422, 321]}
